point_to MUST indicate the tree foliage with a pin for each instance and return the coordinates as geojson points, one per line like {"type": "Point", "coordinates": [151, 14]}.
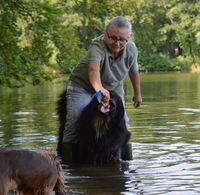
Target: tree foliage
{"type": "Point", "coordinates": [38, 37]}
{"type": "Point", "coordinates": [34, 37]}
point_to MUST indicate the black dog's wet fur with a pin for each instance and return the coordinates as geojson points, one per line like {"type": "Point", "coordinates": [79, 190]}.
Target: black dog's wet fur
{"type": "Point", "coordinates": [101, 135]}
{"type": "Point", "coordinates": [62, 113]}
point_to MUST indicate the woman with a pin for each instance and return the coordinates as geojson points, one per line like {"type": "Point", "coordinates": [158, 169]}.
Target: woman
{"type": "Point", "coordinates": [110, 58]}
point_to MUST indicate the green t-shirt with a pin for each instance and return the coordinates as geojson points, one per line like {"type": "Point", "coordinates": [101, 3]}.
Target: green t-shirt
{"type": "Point", "coordinates": [112, 72]}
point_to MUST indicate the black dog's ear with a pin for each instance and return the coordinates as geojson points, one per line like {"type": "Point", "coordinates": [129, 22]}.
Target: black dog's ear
{"type": "Point", "coordinates": [119, 110]}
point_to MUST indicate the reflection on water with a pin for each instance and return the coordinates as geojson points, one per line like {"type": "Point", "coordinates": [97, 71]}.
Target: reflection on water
{"type": "Point", "coordinates": [111, 179]}
{"type": "Point", "coordinates": [165, 136]}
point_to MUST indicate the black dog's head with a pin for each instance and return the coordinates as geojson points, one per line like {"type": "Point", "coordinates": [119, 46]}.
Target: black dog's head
{"type": "Point", "coordinates": [114, 107]}
{"type": "Point", "coordinates": [103, 116]}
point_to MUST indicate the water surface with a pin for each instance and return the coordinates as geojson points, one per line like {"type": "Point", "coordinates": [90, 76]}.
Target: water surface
{"type": "Point", "coordinates": [165, 136]}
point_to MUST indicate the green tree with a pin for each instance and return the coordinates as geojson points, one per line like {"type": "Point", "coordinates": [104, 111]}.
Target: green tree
{"type": "Point", "coordinates": [184, 26]}
{"type": "Point", "coordinates": [34, 38]}
{"type": "Point", "coordinates": [39, 36]}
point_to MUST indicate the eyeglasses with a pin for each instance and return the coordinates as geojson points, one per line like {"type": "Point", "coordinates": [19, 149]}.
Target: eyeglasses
{"type": "Point", "coordinates": [115, 39]}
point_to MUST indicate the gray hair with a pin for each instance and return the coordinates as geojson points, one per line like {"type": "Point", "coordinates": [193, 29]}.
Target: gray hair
{"type": "Point", "coordinates": [120, 22]}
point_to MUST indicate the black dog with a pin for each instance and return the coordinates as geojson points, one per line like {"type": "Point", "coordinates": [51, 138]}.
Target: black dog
{"type": "Point", "coordinates": [101, 128]}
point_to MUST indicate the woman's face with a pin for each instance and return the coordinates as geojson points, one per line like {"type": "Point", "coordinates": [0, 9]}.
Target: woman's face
{"type": "Point", "coordinates": [116, 38]}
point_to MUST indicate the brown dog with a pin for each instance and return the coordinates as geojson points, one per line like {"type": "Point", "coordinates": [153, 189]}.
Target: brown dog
{"type": "Point", "coordinates": [30, 173]}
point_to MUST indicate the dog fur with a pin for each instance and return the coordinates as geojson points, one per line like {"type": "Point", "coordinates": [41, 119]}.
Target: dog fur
{"type": "Point", "coordinates": [28, 172]}
{"type": "Point", "coordinates": [101, 135]}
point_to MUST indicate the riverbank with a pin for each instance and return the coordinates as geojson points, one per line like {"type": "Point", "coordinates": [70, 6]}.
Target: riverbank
{"type": "Point", "coordinates": [195, 68]}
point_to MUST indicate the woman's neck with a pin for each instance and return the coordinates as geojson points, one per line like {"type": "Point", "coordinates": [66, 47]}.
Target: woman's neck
{"type": "Point", "coordinates": [115, 55]}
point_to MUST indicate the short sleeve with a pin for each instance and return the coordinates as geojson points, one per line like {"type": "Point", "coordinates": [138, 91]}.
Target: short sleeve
{"type": "Point", "coordinates": [133, 57]}
{"type": "Point", "coordinates": [95, 53]}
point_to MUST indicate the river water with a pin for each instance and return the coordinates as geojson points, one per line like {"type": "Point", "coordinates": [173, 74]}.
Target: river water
{"type": "Point", "coordinates": [165, 136]}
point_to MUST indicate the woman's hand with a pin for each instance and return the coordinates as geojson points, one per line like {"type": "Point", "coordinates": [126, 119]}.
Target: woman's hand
{"type": "Point", "coordinates": [137, 101]}
{"type": "Point", "coordinates": [106, 95]}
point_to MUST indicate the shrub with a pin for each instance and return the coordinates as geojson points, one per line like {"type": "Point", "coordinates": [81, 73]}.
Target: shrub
{"type": "Point", "coordinates": [153, 62]}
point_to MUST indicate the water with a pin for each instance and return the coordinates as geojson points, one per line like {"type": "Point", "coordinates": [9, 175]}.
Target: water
{"type": "Point", "coordinates": [165, 136]}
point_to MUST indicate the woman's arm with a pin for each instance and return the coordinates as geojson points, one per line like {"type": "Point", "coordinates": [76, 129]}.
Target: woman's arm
{"type": "Point", "coordinates": [135, 80]}
{"type": "Point", "coordinates": [95, 80]}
